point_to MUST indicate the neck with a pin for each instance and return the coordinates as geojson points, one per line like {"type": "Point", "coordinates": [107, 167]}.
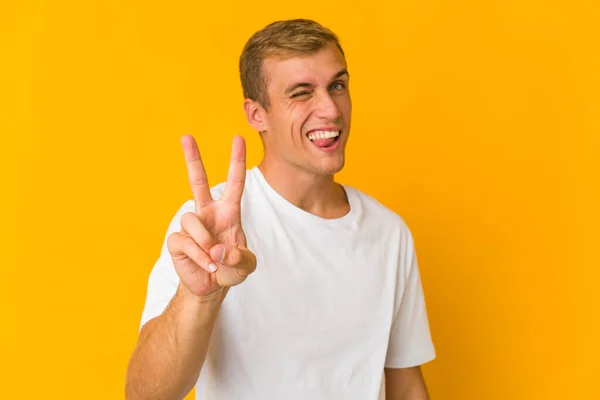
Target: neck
{"type": "Point", "coordinates": [317, 194]}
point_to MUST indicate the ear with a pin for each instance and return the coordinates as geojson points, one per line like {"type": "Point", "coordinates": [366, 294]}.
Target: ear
{"type": "Point", "coordinates": [255, 115]}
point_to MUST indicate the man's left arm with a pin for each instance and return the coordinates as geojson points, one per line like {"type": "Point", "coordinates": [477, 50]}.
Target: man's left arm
{"type": "Point", "coordinates": [410, 344]}
{"type": "Point", "coordinates": [405, 384]}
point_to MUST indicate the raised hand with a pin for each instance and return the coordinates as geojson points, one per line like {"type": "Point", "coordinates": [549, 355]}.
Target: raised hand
{"type": "Point", "coordinates": [210, 251]}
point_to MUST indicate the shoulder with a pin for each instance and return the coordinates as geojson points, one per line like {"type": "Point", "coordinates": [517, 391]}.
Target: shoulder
{"type": "Point", "coordinates": [380, 220]}
{"type": "Point", "coordinates": [374, 210]}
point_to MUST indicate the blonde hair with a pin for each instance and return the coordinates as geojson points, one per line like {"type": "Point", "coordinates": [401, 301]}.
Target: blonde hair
{"type": "Point", "coordinates": [281, 39]}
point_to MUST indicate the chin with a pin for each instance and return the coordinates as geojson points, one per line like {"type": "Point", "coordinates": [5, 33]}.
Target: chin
{"type": "Point", "coordinates": [328, 167]}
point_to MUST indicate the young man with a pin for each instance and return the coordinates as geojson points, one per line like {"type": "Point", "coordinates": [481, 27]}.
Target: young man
{"type": "Point", "coordinates": [280, 283]}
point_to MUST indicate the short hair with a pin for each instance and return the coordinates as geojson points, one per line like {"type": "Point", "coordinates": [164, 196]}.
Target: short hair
{"type": "Point", "coordinates": [281, 39]}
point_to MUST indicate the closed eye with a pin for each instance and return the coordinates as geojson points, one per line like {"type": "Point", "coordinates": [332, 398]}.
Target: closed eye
{"type": "Point", "coordinates": [299, 94]}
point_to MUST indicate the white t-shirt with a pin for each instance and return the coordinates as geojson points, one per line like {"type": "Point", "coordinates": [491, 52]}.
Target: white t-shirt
{"type": "Point", "coordinates": [331, 303]}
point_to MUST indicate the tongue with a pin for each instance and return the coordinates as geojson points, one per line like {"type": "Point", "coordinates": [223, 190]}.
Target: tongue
{"type": "Point", "coordinates": [323, 142]}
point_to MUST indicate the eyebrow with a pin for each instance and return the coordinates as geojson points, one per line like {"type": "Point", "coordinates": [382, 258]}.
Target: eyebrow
{"type": "Point", "coordinates": [295, 86]}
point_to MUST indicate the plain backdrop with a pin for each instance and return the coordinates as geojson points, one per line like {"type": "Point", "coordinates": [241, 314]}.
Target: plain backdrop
{"type": "Point", "coordinates": [477, 121]}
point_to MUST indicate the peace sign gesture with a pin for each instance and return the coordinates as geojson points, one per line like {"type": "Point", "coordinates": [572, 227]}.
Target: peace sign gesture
{"type": "Point", "coordinates": [210, 251]}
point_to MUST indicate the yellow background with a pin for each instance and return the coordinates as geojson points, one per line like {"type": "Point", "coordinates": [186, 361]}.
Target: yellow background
{"type": "Point", "coordinates": [478, 122]}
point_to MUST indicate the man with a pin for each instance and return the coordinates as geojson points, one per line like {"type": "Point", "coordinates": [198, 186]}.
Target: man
{"type": "Point", "coordinates": [282, 284]}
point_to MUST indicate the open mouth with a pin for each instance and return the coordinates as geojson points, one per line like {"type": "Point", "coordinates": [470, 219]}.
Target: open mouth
{"type": "Point", "coordinates": [324, 139]}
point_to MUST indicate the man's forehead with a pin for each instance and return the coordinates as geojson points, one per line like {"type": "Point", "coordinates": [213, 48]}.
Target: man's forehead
{"type": "Point", "coordinates": [318, 66]}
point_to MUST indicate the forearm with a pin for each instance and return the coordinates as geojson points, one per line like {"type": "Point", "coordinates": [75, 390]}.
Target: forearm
{"type": "Point", "coordinates": [172, 347]}
{"type": "Point", "coordinates": [415, 393]}
{"type": "Point", "coordinates": [405, 384]}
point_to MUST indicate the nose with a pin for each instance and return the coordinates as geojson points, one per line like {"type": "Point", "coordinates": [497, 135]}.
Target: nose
{"type": "Point", "coordinates": [326, 107]}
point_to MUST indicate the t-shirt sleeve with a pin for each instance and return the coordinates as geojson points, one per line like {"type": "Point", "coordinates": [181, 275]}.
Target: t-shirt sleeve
{"type": "Point", "coordinates": [410, 341]}
{"type": "Point", "coordinates": [163, 279]}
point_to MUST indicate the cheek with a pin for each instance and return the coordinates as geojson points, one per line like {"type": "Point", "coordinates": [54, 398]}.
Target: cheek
{"type": "Point", "coordinates": [344, 103]}
{"type": "Point", "coordinates": [297, 114]}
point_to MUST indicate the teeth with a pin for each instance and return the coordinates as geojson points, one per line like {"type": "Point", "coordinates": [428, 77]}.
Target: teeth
{"type": "Point", "coordinates": [323, 134]}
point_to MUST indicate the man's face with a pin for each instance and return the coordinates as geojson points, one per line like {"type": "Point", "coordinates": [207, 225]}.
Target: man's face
{"type": "Point", "coordinates": [308, 121]}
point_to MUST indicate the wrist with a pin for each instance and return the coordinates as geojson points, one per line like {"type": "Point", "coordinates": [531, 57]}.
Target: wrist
{"type": "Point", "coordinates": [210, 300]}
{"type": "Point", "coordinates": [196, 312]}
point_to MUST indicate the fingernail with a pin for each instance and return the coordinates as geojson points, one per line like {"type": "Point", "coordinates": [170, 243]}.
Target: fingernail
{"type": "Point", "coordinates": [222, 256]}
{"type": "Point", "coordinates": [212, 267]}
{"type": "Point", "coordinates": [218, 255]}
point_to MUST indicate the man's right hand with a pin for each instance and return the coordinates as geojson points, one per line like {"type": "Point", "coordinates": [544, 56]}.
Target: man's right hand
{"type": "Point", "coordinates": [172, 347]}
{"type": "Point", "coordinates": [210, 253]}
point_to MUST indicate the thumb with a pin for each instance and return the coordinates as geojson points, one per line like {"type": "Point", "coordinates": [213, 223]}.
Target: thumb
{"type": "Point", "coordinates": [234, 257]}
{"type": "Point", "coordinates": [218, 252]}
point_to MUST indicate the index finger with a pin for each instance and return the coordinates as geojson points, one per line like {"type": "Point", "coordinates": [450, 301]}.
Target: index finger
{"type": "Point", "coordinates": [196, 172]}
{"type": "Point", "coordinates": [236, 177]}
